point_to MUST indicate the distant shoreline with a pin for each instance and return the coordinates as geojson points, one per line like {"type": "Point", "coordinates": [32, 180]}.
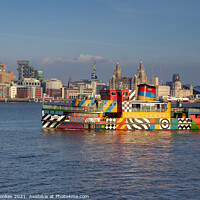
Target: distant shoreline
{"type": "Point", "coordinates": [14, 100]}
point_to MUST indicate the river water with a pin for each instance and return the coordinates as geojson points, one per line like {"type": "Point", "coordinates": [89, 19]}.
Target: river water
{"type": "Point", "coordinates": [93, 165]}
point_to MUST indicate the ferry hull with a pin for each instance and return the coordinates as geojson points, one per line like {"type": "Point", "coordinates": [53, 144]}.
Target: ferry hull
{"type": "Point", "coordinates": [80, 122]}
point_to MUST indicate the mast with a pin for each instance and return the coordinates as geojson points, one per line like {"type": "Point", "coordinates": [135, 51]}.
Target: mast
{"type": "Point", "coordinates": [94, 77]}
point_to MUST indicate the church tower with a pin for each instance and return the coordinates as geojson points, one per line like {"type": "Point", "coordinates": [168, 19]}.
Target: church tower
{"type": "Point", "coordinates": [141, 75]}
{"type": "Point", "coordinates": [70, 83]}
{"type": "Point", "coordinates": [116, 77]}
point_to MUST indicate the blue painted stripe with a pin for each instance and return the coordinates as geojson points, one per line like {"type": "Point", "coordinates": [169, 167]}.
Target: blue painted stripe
{"type": "Point", "coordinates": [146, 94]}
{"type": "Point", "coordinates": [111, 106]}
{"type": "Point", "coordinates": [80, 103]}
{"type": "Point", "coordinates": [91, 103]}
{"type": "Point", "coordinates": [102, 104]}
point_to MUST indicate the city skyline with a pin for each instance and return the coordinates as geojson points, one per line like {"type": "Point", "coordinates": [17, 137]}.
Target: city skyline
{"type": "Point", "coordinates": [65, 37]}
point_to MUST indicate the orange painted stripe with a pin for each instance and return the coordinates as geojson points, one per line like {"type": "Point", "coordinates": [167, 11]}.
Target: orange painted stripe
{"type": "Point", "coordinates": [121, 126]}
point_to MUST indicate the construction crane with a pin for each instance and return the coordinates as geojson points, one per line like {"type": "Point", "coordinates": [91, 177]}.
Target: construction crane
{"type": "Point", "coordinates": [93, 77]}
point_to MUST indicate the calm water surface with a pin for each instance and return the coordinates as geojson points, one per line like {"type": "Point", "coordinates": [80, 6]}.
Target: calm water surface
{"type": "Point", "coordinates": [102, 165]}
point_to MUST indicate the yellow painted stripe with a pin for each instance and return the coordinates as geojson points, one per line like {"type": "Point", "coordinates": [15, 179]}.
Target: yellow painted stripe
{"type": "Point", "coordinates": [114, 109]}
{"type": "Point", "coordinates": [120, 120]}
{"type": "Point", "coordinates": [86, 103]}
{"type": "Point", "coordinates": [107, 105]}
{"type": "Point", "coordinates": [123, 126]}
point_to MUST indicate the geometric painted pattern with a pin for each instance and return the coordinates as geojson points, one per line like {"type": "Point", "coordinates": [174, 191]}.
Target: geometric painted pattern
{"type": "Point", "coordinates": [174, 123]}
{"type": "Point", "coordinates": [165, 124]}
{"type": "Point", "coordinates": [126, 106]}
{"type": "Point", "coordinates": [100, 126]}
{"type": "Point", "coordinates": [111, 120]}
{"type": "Point", "coordinates": [121, 123]}
{"type": "Point", "coordinates": [77, 122]}
{"type": "Point", "coordinates": [132, 94]}
{"type": "Point", "coordinates": [75, 119]}
{"type": "Point", "coordinates": [110, 126]}
{"type": "Point", "coordinates": [121, 126]}
{"type": "Point", "coordinates": [71, 126]}
{"type": "Point", "coordinates": [138, 123]}
{"type": "Point", "coordinates": [184, 123]}
{"type": "Point", "coordinates": [195, 123]}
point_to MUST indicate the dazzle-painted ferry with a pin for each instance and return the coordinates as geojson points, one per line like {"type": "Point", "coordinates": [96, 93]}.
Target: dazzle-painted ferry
{"type": "Point", "coordinates": [121, 109]}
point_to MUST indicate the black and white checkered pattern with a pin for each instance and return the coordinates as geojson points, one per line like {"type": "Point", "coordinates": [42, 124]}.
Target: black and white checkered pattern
{"type": "Point", "coordinates": [111, 123]}
{"type": "Point", "coordinates": [110, 120]}
{"type": "Point", "coordinates": [110, 126]}
{"type": "Point", "coordinates": [126, 106]}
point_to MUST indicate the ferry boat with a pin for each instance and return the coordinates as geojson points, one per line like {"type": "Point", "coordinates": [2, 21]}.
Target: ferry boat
{"type": "Point", "coordinates": [120, 109]}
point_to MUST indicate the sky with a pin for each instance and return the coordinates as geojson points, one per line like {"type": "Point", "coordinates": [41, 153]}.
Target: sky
{"type": "Point", "coordinates": [65, 37]}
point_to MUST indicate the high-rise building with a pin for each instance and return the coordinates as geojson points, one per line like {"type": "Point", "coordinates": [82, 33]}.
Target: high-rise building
{"type": "Point", "coordinates": [42, 80]}
{"type": "Point", "coordinates": [5, 77]}
{"type": "Point", "coordinates": [25, 70]}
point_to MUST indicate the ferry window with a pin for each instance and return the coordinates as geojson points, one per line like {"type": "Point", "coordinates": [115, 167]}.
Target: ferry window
{"type": "Point", "coordinates": [113, 93]}
{"type": "Point", "coordinates": [133, 105]}
{"type": "Point", "coordinates": [108, 93]}
{"type": "Point", "coordinates": [125, 94]}
{"type": "Point", "coordinates": [137, 105]}
{"type": "Point", "coordinates": [164, 106]}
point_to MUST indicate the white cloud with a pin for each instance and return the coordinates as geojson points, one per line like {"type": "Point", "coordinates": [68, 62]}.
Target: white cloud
{"type": "Point", "coordinates": [49, 61]}
{"type": "Point", "coordinates": [87, 58]}
{"type": "Point", "coordinates": [82, 58]}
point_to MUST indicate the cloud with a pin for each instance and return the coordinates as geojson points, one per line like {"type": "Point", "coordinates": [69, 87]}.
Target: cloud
{"type": "Point", "coordinates": [49, 61]}
{"type": "Point", "coordinates": [87, 58]}
{"type": "Point", "coordinates": [82, 58]}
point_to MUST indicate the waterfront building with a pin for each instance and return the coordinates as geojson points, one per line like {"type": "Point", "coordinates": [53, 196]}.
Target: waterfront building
{"type": "Point", "coordinates": [117, 81]}
{"type": "Point", "coordinates": [25, 70]}
{"type": "Point", "coordinates": [13, 91]}
{"type": "Point", "coordinates": [29, 92]}
{"type": "Point", "coordinates": [77, 92]}
{"type": "Point", "coordinates": [83, 88]}
{"type": "Point", "coordinates": [178, 90]}
{"type": "Point", "coordinates": [163, 91]}
{"type": "Point", "coordinates": [155, 81]}
{"type": "Point", "coordinates": [29, 88]}
{"type": "Point", "coordinates": [29, 82]}
{"type": "Point", "coordinates": [42, 80]}
{"type": "Point", "coordinates": [5, 77]}
{"type": "Point", "coordinates": [54, 88]}
{"type": "Point", "coordinates": [4, 91]}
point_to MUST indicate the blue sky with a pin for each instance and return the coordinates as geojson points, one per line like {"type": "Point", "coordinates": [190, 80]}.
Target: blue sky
{"type": "Point", "coordinates": [64, 37]}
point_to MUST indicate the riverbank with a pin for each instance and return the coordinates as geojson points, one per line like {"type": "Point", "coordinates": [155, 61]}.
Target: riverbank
{"type": "Point", "coordinates": [34, 101]}
{"type": "Point", "coordinates": [14, 100]}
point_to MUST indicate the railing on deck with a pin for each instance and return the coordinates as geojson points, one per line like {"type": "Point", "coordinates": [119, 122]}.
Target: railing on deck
{"type": "Point", "coordinates": [148, 110]}
{"type": "Point", "coordinates": [70, 109]}
{"type": "Point", "coordinates": [185, 109]}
